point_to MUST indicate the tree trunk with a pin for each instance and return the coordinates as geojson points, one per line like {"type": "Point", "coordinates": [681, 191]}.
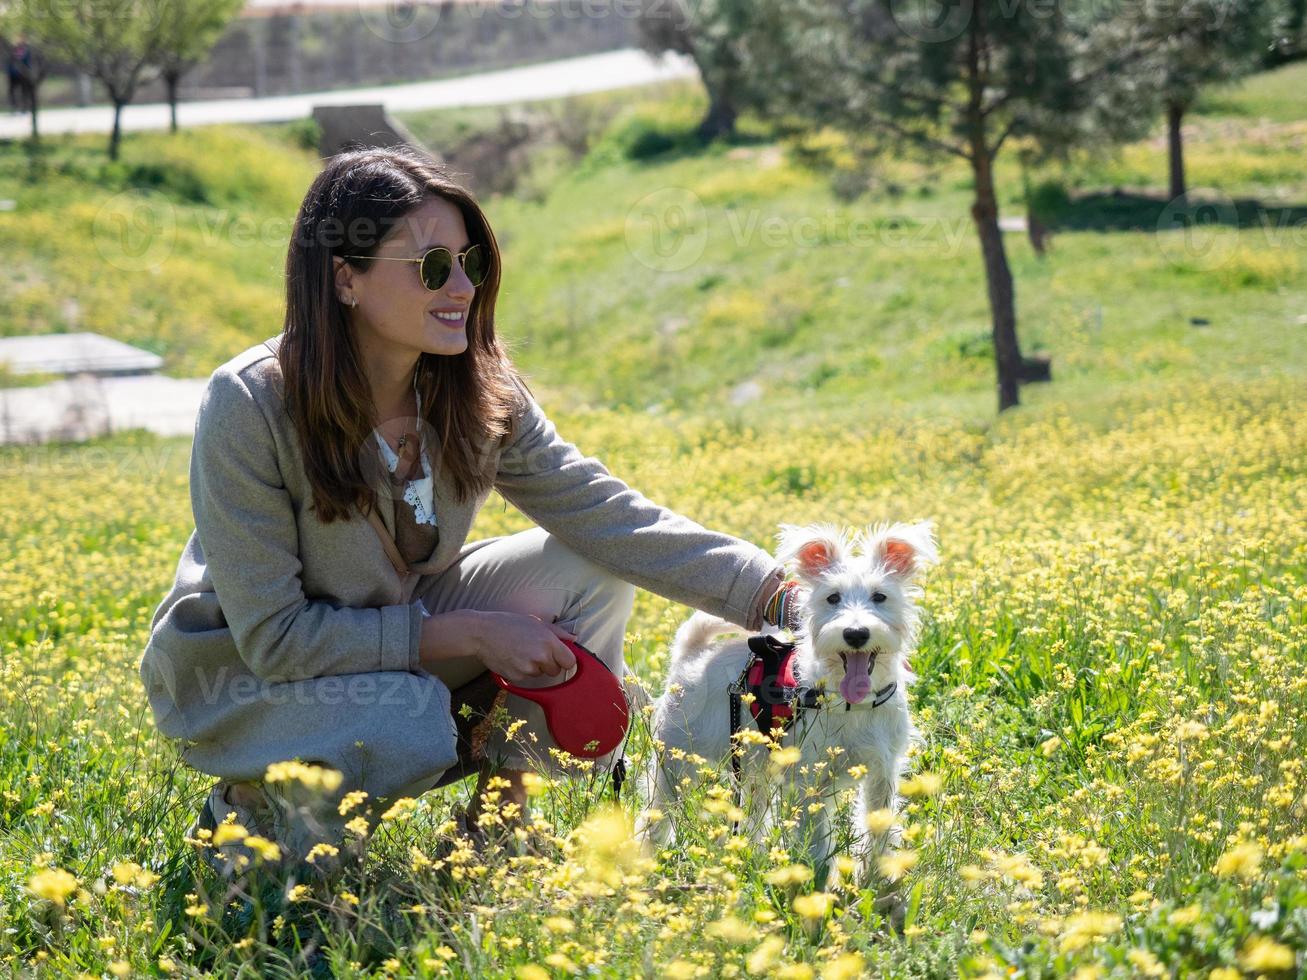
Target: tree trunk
{"type": "Point", "coordinates": [171, 79]}
{"type": "Point", "coordinates": [115, 137]}
{"type": "Point", "coordinates": [998, 276]}
{"type": "Point", "coordinates": [1174, 115]}
{"type": "Point", "coordinates": [32, 91]}
{"type": "Point", "coordinates": [719, 121]}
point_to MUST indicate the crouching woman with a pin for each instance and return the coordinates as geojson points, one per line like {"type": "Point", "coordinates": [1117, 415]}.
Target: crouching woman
{"type": "Point", "coordinates": [328, 607]}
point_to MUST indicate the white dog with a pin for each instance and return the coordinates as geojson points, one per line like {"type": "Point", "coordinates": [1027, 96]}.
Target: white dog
{"type": "Point", "coordinates": [859, 626]}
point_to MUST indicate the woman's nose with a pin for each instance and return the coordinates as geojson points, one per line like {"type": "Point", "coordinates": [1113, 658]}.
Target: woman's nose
{"type": "Point", "coordinates": [459, 287]}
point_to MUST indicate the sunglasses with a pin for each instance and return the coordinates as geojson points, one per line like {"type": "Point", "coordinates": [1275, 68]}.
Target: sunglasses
{"type": "Point", "coordinates": [438, 263]}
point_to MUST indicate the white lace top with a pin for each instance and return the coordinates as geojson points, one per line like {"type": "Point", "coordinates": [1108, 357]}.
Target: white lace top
{"type": "Point", "coordinates": [419, 493]}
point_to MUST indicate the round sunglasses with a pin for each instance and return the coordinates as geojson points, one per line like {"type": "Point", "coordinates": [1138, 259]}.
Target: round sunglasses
{"type": "Point", "coordinates": [437, 263]}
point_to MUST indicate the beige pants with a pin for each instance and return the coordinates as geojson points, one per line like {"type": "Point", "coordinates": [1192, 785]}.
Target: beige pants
{"type": "Point", "coordinates": [532, 573]}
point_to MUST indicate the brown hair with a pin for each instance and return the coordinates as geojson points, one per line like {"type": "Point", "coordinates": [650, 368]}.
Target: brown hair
{"type": "Point", "coordinates": [468, 399]}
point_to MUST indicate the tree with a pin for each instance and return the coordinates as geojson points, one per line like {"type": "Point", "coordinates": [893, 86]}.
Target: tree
{"type": "Point", "coordinates": [1191, 45]}
{"type": "Point", "coordinates": [709, 33]}
{"type": "Point", "coordinates": [115, 41]}
{"type": "Point", "coordinates": [957, 80]}
{"type": "Point", "coordinates": [188, 30]}
{"type": "Point", "coordinates": [13, 23]}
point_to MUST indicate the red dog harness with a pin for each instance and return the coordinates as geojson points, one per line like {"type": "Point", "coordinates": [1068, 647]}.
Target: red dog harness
{"type": "Point", "coordinates": [769, 677]}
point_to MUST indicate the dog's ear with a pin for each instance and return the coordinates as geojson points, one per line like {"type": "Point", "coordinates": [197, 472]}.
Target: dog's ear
{"type": "Point", "coordinates": [905, 549]}
{"type": "Point", "coordinates": [811, 549]}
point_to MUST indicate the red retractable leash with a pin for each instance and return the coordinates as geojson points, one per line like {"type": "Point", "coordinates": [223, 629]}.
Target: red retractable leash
{"type": "Point", "coordinates": [587, 714]}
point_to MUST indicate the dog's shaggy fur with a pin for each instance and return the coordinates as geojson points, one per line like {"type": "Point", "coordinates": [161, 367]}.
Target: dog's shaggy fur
{"type": "Point", "coordinates": [860, 602]}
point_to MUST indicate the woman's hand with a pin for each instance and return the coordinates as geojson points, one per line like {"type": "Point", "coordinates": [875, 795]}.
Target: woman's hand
{"type": "Point", "coordinates": [523, 649]}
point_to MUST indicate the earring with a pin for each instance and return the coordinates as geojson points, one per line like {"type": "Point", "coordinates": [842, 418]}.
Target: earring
{"type": "Point", "coordinates": [353, 302]}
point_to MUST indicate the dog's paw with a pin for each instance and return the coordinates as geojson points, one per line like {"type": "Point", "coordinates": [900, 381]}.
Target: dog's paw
{"type": "Point", "coordinates": [891, 906]}
{"type": "Point", "coordinates": [653, 827]}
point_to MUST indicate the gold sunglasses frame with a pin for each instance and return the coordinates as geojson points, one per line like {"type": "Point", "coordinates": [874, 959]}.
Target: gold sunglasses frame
{"type": "Point", "coordinates": [454, 256]}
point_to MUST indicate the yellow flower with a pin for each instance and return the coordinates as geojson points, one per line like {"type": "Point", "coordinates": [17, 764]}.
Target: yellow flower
{"type": "Point", "coordinates": [897, 863]}
{"type": "Point", "coordinates": [1049, 746]}
{"type": "Point", "coordinates": [350, 800]}
{"type": "Point", "coordinates": [120, 968]}
{"type": "Point", "coordinates": [849, 966]}
{"type": "Point", "coordinates": [731, 929]}
{"type": "Point", "coordinates": [791, 874]}
{"type": "Point", "coordinates": [1262, 954]}
{"type": "Point", "coordinates": [765, 955]}
{"type": "Point", "coordinates": [559, 924]}
{"type": "Point", "coordinates": [1085, 928]}
{"type": "Point", "coordinates": [532, 972]}
{"type": "Point", "coordinates": [560, 962]}
{"type": "Point", "coordinates": [879, 821]}
{"type": "Point", "coordinates": [1145, 962]}
{"type": "Point", "coordinates": [318, 778]}
{"type": "Point", "coordinates": [401, 808]}
{"type": "Point", "coordinates": [320, 850]}
{"type": "Point", "coordinates": [359, 826]}
{"type": "Point", "coordinates": [922, 784]}
{"type": "Point", "coordinates": [1244, 860]}
{"type": "Point", "coordinates": [783, 758]}
{"type": "Point", "coordinates": [265, 849]}
{"type": "Point", "coordinates": [228, 833]}
{"type": "Point", "coordinates": [131, 873]}
{"type": "Point", "coordinates": [814, 906]}
{"type": "Point", "coordinates": [1186, 916]}
{"type": "Point", "coordinates": [53, 884]}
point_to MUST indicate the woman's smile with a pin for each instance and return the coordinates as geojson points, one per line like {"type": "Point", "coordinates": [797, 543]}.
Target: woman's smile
{"type": "Point", "coordinates": [450, 318]}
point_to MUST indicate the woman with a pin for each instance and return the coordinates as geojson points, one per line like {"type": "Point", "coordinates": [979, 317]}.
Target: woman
{"type": "Point", "coordinates": [378, 422]}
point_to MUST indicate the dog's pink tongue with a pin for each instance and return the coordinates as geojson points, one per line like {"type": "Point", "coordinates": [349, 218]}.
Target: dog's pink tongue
{"type": "Point", "coordinates": [856, 684]}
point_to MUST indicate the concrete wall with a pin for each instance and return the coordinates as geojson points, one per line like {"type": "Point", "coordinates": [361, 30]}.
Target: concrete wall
{"type": "Point", "coordinates": [283, 53]}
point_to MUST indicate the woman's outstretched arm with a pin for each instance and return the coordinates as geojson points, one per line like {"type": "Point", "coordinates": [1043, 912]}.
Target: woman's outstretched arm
{"type": "Point", "coordinates": [575, 498]}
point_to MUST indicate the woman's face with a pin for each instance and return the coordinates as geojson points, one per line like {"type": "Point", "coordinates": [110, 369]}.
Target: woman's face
{"type": "Point", "coordinates": [396, 312]}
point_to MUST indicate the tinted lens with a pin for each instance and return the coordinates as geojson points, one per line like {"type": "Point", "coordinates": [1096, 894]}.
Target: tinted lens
{"type": "Point", "coordinates": [436, 265]}
{"type": "Point", "coordinates": [474, 264]}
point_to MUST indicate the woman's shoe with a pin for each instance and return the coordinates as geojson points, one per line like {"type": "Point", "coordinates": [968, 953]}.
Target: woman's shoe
{"type": "Point", "coordinates": [275, 832]}
{"type": "Point", "coordinates": [226, 847]}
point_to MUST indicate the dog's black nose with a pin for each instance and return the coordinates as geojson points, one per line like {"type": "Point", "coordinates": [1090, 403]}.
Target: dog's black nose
{"type": "Point", "coordinates": [856, 638]}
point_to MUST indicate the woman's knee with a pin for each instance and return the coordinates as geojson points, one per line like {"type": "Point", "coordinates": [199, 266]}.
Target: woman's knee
{"type": "Point", "coordinates": [599, 586]}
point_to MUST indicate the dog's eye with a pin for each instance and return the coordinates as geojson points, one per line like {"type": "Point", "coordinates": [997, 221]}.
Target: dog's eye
{"type": "Point", "coordinates": [878, 597]}
{"type": "Point", "coordinates": [833, 598]}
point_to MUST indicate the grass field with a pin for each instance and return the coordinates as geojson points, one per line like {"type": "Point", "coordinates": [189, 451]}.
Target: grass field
{"type": "Point", "coordinates": [1111, 691]}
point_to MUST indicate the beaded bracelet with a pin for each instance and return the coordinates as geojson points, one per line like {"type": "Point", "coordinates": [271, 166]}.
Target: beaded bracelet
{"type": "Point", "coordinates": [782, 608]}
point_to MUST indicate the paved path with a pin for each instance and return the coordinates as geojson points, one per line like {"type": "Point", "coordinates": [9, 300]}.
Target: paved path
{"type": "Point", "coordinates": [76, 409]}
{"type": "Point", "coordinates": [551, 79]}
